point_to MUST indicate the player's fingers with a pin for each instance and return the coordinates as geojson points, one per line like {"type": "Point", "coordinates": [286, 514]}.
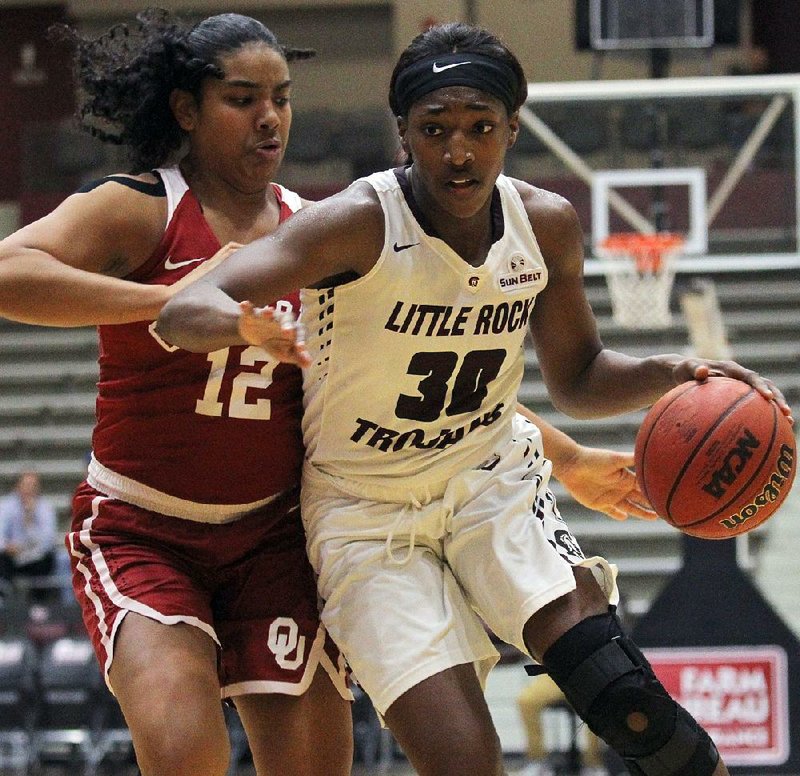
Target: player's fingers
{"type": "Point", "coordinates": [283, 318]}
{"type": "Point", "coordinates": [636, 493]}
{"type": "Point", "coordinates": [780, 400]}
{"type": "Point", "coordinates": [303, 356]}
{"type": "Point", "coordinates": [637, 496]}
{"type": "Point", "coordinates": [616, 514]}
{"type": "Point", "coordinates": [626, 459]}
{"type": "Point", "coordinates": [763, 385]}
{"type": "Point", "coordinates": [225, 251]}
{"type": "Point", "coordinates": [641, 512]}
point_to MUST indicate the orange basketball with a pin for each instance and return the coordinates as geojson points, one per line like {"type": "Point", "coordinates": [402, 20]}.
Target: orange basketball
{"type": "Point", "coordinates": [715, 459]}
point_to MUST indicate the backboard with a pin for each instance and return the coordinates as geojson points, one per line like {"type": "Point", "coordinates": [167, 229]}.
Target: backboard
{"type": "Point", "coordinates": [713, 159]}
{"type": "Point", "coordinates": [648, 24]}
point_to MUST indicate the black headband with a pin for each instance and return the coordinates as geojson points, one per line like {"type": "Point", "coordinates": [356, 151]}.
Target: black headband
{"type": "Point", "coordinates": [481, 72]}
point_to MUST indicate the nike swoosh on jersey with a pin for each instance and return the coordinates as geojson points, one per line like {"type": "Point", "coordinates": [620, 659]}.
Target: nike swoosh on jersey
{"type": "Point", "coordinates": [170, 264]}
{"type": "Point", "coordinates": [398, 248]}
{"type": "Point", "coordinates": [442, 68]}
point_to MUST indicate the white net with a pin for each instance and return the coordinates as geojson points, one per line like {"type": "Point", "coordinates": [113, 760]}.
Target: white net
{"type": "Point", "coordinates": [640, 272]}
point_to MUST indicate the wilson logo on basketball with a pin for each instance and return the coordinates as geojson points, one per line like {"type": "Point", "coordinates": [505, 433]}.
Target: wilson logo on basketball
{"type": "Point", "coordinates": [734, 463]}
{"type": "Point", "coordinates": [770, 493]}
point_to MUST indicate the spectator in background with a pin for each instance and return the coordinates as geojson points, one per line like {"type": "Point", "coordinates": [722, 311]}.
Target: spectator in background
{"type": "Point", "coordinates": [27, 531]}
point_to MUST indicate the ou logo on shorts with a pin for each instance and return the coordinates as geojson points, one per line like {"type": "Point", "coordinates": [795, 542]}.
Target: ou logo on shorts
{"type": "Point", "coordinates": [284, 640]}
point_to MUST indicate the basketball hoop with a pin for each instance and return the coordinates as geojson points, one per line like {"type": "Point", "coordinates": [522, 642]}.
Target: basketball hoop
{"type": "Point", "coordinates": [639, 271]}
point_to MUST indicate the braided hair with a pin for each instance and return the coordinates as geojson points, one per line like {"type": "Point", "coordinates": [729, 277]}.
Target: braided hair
{"type": "Point", "coordinates": [125, 76]}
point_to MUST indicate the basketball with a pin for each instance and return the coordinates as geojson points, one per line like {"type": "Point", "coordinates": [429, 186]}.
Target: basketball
{"type": "Point", "coordinates": [715, 459]}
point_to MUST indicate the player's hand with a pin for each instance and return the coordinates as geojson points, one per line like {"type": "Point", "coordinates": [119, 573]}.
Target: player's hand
{"type": "Point", "coordinates": [701, 369]}
{"type": "Point", "coordinates": [276, 331]}
{"type": "Point", "coordinates": [603, 481]}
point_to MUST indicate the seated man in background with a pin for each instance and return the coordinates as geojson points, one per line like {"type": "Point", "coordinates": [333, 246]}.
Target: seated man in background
{"type": "Point", "coordinates": [27, 531]}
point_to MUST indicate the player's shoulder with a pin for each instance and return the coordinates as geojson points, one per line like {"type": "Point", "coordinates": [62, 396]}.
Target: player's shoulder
{"type": "Point", "coordinates": [148, 184]}
{"type": "Point", "coordinates": [546, 209]}
{"type": "Point", "coordinates": [346, 229]}
{"type": "Point", "coordinates": [126, 210]}
{"type": "Point", "coordinates": [555, 224]}
{"type": "Point", "coordinates": [137, 202]}
{"type": "Point", "coordinates": [361, 194]}
{"type": "Point", "coordinates": [358, 202]}
{"type": "Point", "coordinates": [121, 198]}
{"type": "Point", "coordinates": [543, 202]}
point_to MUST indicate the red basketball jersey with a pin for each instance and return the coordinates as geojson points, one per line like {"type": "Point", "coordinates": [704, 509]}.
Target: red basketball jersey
{"type": "Point", "coordinates": [221, 428]}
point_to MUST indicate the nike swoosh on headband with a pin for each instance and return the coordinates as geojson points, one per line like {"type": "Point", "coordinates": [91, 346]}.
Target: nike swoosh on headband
{"type": "Point", "coordinates": [170, 264]}
{"type": "Point", "coordinates": [441, 68]}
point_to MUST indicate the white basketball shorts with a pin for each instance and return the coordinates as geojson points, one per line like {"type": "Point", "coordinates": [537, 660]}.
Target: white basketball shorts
{"type": "Point", "coordinates": [411, 582]}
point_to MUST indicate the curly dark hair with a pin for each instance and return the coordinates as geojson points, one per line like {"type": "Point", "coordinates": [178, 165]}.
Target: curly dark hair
{"type": "Point", "coordinates": [125, 76]}
{"type": "Point", "coordinates": [453, 38]}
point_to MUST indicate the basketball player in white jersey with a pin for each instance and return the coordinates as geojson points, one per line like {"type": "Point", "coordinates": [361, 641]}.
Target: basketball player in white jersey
{"type": "Point", "coordinates": [420, 479]}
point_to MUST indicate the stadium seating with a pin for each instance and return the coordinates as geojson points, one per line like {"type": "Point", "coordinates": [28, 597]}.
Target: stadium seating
{"type": "Point", "coordinates": [69, 714]}
{"type": "Point", "coordinates": [47, 409]}
{"type": "Point", "coordinates": [18, 692]}
{"type": "Point", "coordinates": [46, 419]}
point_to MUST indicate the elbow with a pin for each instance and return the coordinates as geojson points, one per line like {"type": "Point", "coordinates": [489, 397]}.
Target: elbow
{"type": "Point", "coordinates": [183, 323]}
{"type": "Point", "coordinates": [574, 405]}
{"type": "Point", "coordinates": [165, 323]}
{"type": "Point", "coordinates": [168, 326]}
{"type": "Point", "coordinates": [571, 409]}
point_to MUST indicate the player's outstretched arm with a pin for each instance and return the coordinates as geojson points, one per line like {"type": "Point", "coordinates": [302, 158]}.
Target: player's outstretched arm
{"type": "Point", "coordinates": [584, 378]}
{"type": "Point", "coordinates": [69, 267]}
{"type": "Point", "coordinates": [343, 234]}
{"type": "Point", "coordinates": [599, 479]}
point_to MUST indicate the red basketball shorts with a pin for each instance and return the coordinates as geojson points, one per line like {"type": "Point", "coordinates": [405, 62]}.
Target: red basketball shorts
{"type": "Point", "coordinates": [247, 584]}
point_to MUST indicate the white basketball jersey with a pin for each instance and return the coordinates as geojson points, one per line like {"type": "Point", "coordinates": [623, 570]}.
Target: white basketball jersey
{"type": "Point", "coordinates": [417, 364]}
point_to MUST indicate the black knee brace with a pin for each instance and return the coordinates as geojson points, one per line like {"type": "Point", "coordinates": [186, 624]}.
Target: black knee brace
{"type": "Point", "coordinates": [613, 688]}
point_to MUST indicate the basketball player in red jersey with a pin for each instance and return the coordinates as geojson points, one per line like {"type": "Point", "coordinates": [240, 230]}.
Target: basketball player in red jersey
{"type": "Point", "coordinates": [186, 544]}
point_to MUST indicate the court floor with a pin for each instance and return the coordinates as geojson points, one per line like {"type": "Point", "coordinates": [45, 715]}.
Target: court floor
{"type": "Point", "coordinates": [515, 766]}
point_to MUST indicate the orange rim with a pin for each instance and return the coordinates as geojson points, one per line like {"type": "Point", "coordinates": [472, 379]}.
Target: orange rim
{"type": "Point", "coordinates": [647, 250]}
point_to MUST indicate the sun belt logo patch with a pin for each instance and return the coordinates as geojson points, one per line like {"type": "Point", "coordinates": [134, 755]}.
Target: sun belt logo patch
{"type": "Point", "coordinates": [523, 274]}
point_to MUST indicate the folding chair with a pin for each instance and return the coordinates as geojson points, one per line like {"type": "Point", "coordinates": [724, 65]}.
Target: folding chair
{"type": "Point", "coordinates": [18, 706]}
{"type": "Point", "coordinates": [70, 716]}
{"type": "Point", "coordinates": [113, 738]}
